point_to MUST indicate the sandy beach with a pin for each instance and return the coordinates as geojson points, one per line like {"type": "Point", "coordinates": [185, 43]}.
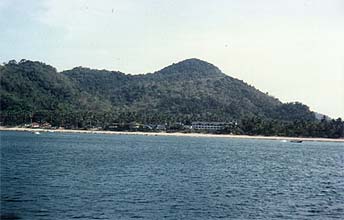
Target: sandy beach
{"type": "Point", "coordinates": [171, 134]}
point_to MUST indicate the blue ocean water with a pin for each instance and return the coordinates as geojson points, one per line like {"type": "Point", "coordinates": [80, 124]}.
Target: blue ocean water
{"type": "Point", "coordinates": [95, 176]}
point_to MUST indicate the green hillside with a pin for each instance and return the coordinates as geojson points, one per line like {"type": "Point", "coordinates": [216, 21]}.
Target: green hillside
{"type": "Point", "coordinates": [33, 89]}
{"type": "Point", "coordinates": [191, 90]}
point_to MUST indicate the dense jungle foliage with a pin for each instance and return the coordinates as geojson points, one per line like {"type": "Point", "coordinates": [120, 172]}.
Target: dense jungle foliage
{"type": "Point", "coordinates": [191, 90]}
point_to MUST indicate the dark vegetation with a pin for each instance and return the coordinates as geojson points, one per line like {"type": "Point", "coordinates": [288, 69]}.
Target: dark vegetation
{"type": "Point", "coordinates": [191, 90]}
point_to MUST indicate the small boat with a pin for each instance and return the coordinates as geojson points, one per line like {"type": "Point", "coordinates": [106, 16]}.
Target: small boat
{"type": "Point", "coordinates": [36, 132]}
{"type": "Point", "coordinates": [296, 141]}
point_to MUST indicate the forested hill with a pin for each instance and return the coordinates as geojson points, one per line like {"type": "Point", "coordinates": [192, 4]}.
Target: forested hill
{"type": "Point", "coordinates": [191, 90]}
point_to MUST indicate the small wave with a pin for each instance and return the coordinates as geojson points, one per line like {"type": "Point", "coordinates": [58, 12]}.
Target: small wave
{"type": "Point", "coordinates": [9, 216]}
{"type": "Point", "coordinates": [137, 216]}
{"type": "Point", "coordinates": [18, 200]}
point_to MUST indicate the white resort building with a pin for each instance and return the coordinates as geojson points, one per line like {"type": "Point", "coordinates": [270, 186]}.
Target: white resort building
{"type": "Point", "coordinates": [213, 126]}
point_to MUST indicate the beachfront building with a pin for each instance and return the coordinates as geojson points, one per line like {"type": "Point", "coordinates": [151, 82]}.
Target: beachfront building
{"type": "Point", "coordinates": [35, 125]}
{"type": "Point", "coordinates": [209, 126]}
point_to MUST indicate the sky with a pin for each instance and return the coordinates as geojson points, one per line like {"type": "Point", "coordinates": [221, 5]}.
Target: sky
{"type": "Point", "coordinates": [294, 49]}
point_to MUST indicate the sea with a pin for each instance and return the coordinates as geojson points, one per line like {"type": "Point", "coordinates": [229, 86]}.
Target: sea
{"type": "Point", "coordinates": [101, 176]}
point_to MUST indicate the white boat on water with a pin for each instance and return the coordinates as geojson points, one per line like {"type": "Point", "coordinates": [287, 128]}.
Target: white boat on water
{"type": "Point", "coordinates": [36, 132]}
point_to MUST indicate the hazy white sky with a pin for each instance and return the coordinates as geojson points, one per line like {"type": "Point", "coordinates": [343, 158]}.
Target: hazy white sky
{"type": "Point", "coordinates": [292, 49]}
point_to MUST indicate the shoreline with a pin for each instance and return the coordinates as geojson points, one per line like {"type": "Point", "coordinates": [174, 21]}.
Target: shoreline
{"type": "Point", "coordinates": [175, 134]}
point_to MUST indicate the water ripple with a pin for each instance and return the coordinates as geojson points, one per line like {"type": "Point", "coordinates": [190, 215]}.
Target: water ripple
{"type": "Point", "coordinates": [80, 176]}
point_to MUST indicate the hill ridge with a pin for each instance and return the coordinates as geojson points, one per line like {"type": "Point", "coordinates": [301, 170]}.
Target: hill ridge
{"type": "Point", "coordinates": [190, 90]}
